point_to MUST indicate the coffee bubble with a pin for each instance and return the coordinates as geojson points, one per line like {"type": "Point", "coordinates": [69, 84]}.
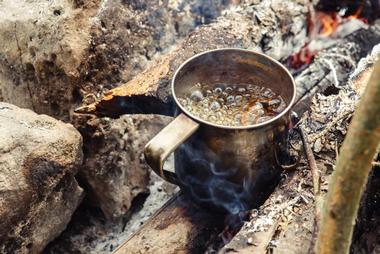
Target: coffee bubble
{"type": "Point", "coordinates": [233, 105]}
{"type": "Point", "coordinates": [197, 95]}
{"type": "Point", "coordinates": [218, 90]}
{"type": "Point", "coordinates": [238, 99]}
{"type": "Point", "coordinates": [215, 105]}
{"type": "Point", "coordinates": [230, 99]}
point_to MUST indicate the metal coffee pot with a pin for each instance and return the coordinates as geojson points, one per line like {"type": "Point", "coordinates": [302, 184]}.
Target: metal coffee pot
{"type": "Point", "coordinates": [224, 167]}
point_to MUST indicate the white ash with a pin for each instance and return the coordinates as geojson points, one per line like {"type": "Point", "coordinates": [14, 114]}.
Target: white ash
{"type": "Point", "coordinates": [91, 234]}
{"type": "Point", "coordinates": [323, 119]}
{"type": "Point", "coordinates": [366, 62]}
{"type": "Point", "coordinates": [160, 192]}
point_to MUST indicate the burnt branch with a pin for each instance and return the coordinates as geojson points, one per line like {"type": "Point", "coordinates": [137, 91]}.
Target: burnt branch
{"type": "Point", "coordinates": [333, 66]}
{"type": "Point", "coordinates": [277, 29]}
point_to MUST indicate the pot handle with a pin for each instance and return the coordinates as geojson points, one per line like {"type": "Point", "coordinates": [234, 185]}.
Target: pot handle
{"type": "Point", "coordinates": [294, 120]}
{"type": "Point", "coordinates": [165, 142]}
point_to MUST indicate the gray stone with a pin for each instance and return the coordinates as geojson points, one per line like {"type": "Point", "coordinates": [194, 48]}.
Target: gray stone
{"type": "Point", "coordinates": [54, 53]}
{"type": "Point", "coordinates": [39, 157]}
{"type": "Point", "coordinates": [114, 166]}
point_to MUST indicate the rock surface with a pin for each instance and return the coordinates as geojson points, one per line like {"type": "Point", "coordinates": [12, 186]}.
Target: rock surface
{"type": "Point", "coordinates": [39, 157]}
{"type": "Point", "coordinates": [53, 53]}
{"type": "Point", "coordinates": [88, 232]}
{"type": "Point", "coordinates": [114, 166]}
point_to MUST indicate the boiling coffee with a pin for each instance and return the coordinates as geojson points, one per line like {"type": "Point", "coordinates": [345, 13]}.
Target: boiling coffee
{"type": "Point", "coordinates": [233, 105]}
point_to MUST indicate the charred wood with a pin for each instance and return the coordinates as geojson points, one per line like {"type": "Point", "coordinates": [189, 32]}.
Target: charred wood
{"type": "Point", "coordinates": [333, 66]}
{"type": "Point", "coordinates": [277, 29]}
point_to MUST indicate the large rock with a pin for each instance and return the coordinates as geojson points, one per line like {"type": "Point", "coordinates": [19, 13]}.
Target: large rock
{"type": "Point", "coordinates": [114, 166]}
{"type": "Point", "coordinates": [53, 53]}
{"type": "Point", "coordinates": [39, 157]}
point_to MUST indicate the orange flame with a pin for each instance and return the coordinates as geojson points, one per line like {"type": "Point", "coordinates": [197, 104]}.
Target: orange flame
{"type": "Point", "coordinates": [304, 57]}
{"type": "Point", "coordinates": [320, 24]}
{"type": "Point", "coordinates": [356, 15]}
{"type": "Point", "coordinates": [329, 22]}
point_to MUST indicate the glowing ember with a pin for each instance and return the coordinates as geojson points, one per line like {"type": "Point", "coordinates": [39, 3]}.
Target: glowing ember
{"type": "Point", "coordinates": [329, 22]}
{"type": "Point", "coordinates": [356, 15]}
{"type": "Point", "coordinates": [321, 25]}
{"type": "Point", "coordinates": [304, 57]}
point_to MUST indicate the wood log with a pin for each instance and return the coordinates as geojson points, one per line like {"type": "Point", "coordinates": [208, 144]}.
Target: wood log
{"type": "Point", "coordinates": [277, 28]}
{"type": "Point", "coordinates": [178, 227]}
{"type": "Point", "coordinates": [369, 9]}
{"type": "Point", "coordinates": [149, 91]}
{"type": "Point", "coordinates": [333, 66]}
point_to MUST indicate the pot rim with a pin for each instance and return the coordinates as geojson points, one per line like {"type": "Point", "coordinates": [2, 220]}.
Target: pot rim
{"type": "Point", "coordinates": [253, 126]}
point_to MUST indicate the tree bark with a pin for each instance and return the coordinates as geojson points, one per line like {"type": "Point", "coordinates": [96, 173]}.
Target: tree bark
{"type": "Point", "coordinates": [352, 169]}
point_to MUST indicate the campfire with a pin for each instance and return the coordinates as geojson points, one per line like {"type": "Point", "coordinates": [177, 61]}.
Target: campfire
{"type": "Point", "coordinates": [183, 126]}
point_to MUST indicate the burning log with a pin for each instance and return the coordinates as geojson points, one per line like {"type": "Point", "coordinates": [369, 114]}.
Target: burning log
{"type": "Point", "coordinates": [334, 65]}
{"type": "Point", "coordinates": [149, 91]}
{"type": "Point", "coordinates": [278, 29]}
{"type": "Point", "coordinates": [369, 9]}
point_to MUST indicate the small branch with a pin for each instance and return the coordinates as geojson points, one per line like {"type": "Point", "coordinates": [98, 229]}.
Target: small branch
{"type": "Point", "coordinates": [333, 71]}
{"type": "Point", "coordinates": [316, 186]}
{"type": "Point", "coordinates": [352, 169]}
{"type": "Point", "coordinates": [312, 163]}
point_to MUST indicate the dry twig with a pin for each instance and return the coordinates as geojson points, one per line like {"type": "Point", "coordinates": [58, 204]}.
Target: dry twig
{"type": "Point", "coordinates": [316, 185]}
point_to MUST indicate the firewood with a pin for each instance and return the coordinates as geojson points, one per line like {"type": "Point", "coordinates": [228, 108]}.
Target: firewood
{"type": "Point", "coordinates": [340, 58]}
{"type": "Point", "coordinates": [277, 29]}
{"type": "Point", "coordinates": [149, 92]}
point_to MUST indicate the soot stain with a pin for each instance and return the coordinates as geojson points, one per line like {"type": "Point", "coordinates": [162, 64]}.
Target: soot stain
{"type": "Point", "coordinates": [142, 104]}
{"type": "Point", "coordinates": [40, 173]}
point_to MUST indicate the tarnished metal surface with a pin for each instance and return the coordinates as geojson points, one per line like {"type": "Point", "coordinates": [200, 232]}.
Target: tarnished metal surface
{"type": "Point", "coordinates": [225, 167]}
